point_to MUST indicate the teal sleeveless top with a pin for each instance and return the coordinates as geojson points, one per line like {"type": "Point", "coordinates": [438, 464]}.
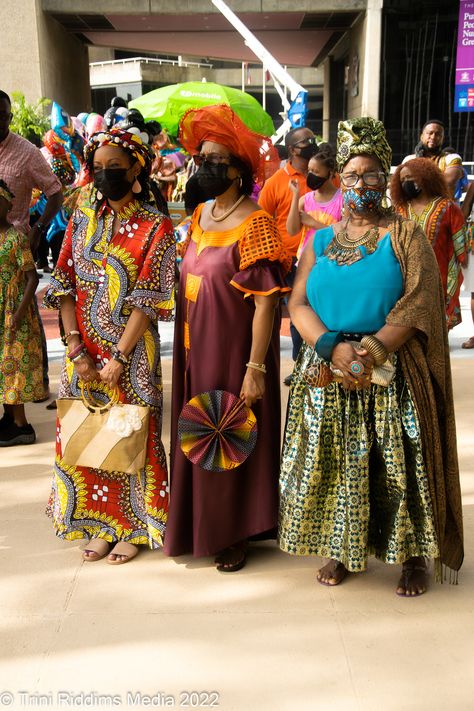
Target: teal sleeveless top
{"type": "Point", "coordinates": [354, 298]}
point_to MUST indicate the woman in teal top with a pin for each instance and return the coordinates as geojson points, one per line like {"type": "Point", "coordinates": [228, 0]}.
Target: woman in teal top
{"type": "Point", "coordinates": [371, 285]}
{"type": "Point", "coordinates": [369, 468]}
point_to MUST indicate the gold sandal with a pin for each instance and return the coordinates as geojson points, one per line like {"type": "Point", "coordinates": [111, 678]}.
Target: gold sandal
{"type": "Point", "coordinates": [99, 547]}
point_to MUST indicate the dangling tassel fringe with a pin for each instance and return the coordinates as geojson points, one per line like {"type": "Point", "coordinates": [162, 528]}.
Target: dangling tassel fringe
{"type": "Point", "coordinates": [441, 573]}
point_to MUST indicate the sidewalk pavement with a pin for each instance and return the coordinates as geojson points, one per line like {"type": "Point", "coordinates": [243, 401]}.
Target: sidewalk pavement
{"type": "Point", "coordinates": [267, 638]}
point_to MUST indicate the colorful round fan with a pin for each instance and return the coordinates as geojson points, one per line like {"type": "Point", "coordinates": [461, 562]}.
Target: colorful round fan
{"type": "Point", "coordinates": [217, 430]}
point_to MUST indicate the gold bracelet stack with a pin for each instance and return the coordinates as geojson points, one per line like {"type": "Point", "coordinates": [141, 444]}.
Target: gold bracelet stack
{"type": "Point", "coordinates": [257, 366]}
{"type": "Point", "coordinates": [376, 349]}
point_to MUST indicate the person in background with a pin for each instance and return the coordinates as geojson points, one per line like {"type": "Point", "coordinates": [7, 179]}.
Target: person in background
{"type": "Point", "coordinates": [318, 208]}
{"type": "Point", "coordinates": [468, 267]}
{"type": "Point", "coordinates": [419, 192]}
{"type": "Point", "coordinates": [21, 378]}
{"type": "Point", "coordinates": [371, 467]}
{"type": "Point", "coordinates": [23, 168]}
{"type": "Point", "coordinates": [275, 198]}
{"type": "Point", "coordinates": [431, 146]}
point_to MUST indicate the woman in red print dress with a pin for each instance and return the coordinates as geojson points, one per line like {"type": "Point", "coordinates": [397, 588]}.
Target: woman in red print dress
{"type": "Point", "coordinates": [113, 282]}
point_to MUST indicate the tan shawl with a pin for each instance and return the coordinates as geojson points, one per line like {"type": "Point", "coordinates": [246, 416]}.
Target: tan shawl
{"type": "Point", "coordinates": [426, 366]}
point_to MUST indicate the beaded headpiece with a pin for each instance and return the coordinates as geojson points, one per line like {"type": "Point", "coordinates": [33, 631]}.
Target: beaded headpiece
{"type": "Point", "coordinates": [129, 142]}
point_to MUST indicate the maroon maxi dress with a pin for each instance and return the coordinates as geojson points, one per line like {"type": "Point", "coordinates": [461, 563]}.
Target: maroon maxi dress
{"type": "Point", "coordinates": [210, 511]}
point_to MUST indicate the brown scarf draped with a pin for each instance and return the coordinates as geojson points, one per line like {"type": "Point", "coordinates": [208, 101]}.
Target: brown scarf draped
{"type": "Point", "coordinates": [426, 366]}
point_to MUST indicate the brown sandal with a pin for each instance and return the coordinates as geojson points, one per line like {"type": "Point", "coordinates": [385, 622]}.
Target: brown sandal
{"type": "Point", "coordinates": [412, 570]}
{"type": "Point", "coordinates": [338, 573]}
{"type": "Point", "coordinates": [469, 343]}
{"type": "Point", "coordinates": [222, 564]}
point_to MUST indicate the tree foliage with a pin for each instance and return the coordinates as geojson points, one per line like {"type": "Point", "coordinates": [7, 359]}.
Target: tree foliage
{"type": "Point", "coordinates": [30, 120]}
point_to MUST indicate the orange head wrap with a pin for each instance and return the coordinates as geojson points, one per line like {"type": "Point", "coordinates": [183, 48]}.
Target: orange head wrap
{"type": "Point", "coordinates": [220, 124]}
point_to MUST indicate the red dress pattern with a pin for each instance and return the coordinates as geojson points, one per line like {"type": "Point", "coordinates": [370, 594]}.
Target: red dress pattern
{"type": "Point", "coordinates": [109, 275]}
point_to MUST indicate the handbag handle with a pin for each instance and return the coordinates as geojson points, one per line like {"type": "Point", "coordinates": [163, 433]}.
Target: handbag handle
{"type": "Point", "coordinates": [92, 404]}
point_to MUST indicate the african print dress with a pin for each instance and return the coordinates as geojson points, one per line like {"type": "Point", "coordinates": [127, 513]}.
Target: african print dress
{"type": "Point", "coordinates": [21, 357]}
{"type": "Point", "coordinates": [353, 480]}
{"type": "Point", "coordinates": [443, 223]}
{"type": "Point", "coordinates": [220, 273]}
{"type": "Point", "coordinates": [109, 275]}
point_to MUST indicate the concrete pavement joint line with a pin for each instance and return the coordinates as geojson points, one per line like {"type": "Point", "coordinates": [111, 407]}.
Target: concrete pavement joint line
{"type": "Point", "coordinates": [73, 586]}
{"type": "Point", "coordinates": [347, 659]}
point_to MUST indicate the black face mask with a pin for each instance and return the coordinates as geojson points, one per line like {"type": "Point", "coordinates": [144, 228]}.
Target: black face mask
{"type": "Point", "coordinates": [212, 179]}
{"type": "Point", "coordinates": [112, 182]}
{"type": "Point", "coordinates": [410, 189]}
{"type": "Point", "coordinates": [314, 182]}
{"type": "Point", "coordinates": [307, 152]}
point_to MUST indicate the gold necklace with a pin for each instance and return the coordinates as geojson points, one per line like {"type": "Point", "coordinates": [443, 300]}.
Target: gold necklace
{"type": "Point", "coordinates": [229, 211]}
{"type": "Point", "coordinates": [345, 251]}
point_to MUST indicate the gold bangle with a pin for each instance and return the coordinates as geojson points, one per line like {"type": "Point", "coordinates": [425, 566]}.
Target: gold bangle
{"type": "Point", "coordinates": [257, 366]}
{"type": "Point", "coordinates": [376, 349]}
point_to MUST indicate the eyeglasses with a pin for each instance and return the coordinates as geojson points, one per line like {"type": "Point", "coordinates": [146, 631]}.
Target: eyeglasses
{"type": "Point", "coordinates": [372, 179]}
{"type": "Point", "coordinates": [214, 158]}
{"type": "Point", "coordinates": [311, 141]}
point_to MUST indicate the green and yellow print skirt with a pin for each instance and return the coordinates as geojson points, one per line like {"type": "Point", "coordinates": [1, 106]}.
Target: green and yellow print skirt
{"type": "Point", "coordinates": [353, 480]}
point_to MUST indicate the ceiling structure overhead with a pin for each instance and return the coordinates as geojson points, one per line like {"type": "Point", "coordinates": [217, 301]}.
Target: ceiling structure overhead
{"type": "Point", "coordinates": [294, 38]}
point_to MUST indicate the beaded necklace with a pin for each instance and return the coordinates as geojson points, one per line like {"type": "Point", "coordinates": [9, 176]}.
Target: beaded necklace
{"type": "Point", "coordinates": [346, 251]}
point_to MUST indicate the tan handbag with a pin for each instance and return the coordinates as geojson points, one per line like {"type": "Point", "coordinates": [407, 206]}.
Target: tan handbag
{"type": "Point", "coordinates": [320, 374]}
{"type": "Point", "coordinates": [112, 437]}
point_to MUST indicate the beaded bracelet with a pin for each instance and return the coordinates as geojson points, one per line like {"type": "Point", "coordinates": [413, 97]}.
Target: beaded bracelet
{"type": "Point", "coordinates": [376, 349]}
{"type": "Point", "coordinates": [76, 351]}
{"type": "Point", "coordinates": [119, 356]}
{"type": "Point", "coordinates": [81, 355]}
{"type": "Point", "coordinates": [257, 366]}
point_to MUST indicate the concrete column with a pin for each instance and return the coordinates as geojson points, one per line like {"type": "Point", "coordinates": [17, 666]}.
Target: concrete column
{"type": "Point", "coordinates": [371, 61]}
{"type": "Point", "coordinates": [42, 58]}
{"type": "Point", "coordinates": [19, 55]}
{"type": "Point", "coordinates": [326, 98]}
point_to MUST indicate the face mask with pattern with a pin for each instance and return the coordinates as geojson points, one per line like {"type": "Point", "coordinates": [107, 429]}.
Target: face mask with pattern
{"type": "Point", "coordinates": [363, 199]}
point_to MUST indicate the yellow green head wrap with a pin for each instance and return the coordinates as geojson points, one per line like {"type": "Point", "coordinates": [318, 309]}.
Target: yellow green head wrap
{"type": "Point", "coordinates": [362, 136]}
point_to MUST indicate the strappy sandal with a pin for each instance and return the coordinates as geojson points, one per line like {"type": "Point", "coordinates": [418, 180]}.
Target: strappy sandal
{"type": "Point", "coordinates": [99, 547]}
{"type": "Point", "coordinates": [124, 549]}
{"type": "Point", "coordinates": [223, 567]}
{"type": "Point", "coordinates": [338, 579]}
{"type": "Point", "coordinates": [409, 570]}
{"type": "Point", "coordinates": [469, 343]}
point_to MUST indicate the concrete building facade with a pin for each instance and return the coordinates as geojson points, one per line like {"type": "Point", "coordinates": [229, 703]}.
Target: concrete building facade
{"type": "Point", "coordinates": [391, 59]}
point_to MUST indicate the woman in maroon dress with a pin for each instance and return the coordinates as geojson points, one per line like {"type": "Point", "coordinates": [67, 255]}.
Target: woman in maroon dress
{"type": "Point", "coordinates": [227, 338]}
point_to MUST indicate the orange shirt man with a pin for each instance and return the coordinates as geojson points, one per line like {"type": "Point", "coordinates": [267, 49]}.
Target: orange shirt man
{"type": "Point", "coordinates": [276, 196]}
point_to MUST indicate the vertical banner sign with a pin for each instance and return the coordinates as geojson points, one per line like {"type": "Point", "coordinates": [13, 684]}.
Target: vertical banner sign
{"type": "Point", "coordinates": [464, 89]}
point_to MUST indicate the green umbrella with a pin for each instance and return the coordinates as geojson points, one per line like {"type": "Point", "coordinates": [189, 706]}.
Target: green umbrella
{"type": "Point", "coordinates": [168, 104]}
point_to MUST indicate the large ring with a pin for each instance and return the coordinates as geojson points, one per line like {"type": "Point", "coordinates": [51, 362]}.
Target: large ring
{"type": "Point", "coordinates": [356, 367]}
